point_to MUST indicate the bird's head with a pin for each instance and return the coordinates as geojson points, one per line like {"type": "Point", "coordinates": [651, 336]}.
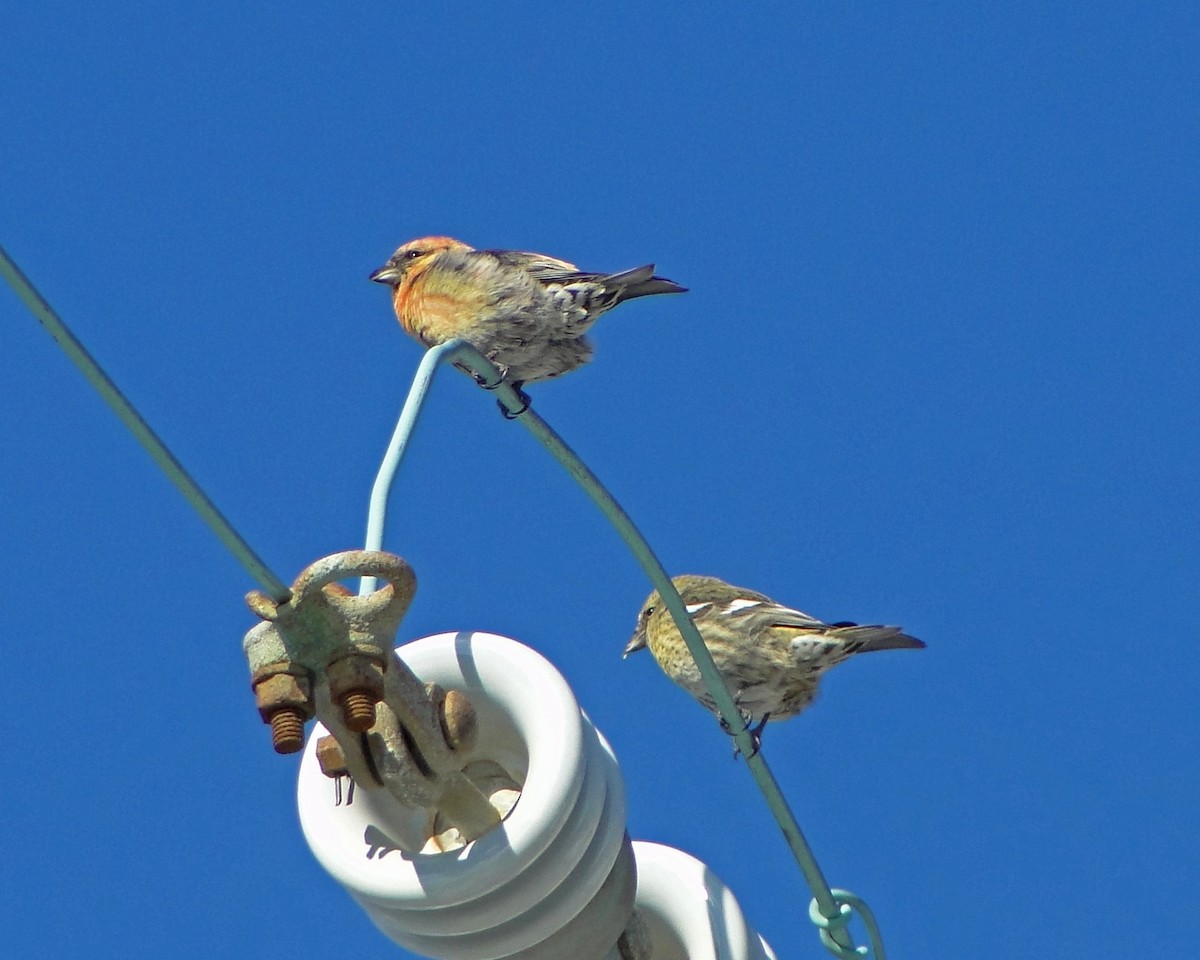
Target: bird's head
{"type": "Point", "coordinates": [692, 589]}
{"type": "Point", "coordinates": [413, 255]}
{"type": "Point", "coordinates": [638, 640]}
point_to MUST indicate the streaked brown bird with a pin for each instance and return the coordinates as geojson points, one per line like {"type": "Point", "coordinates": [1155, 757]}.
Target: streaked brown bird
{"type": "Point", "coordinates": [771, 657]}
{"type": "Point", "coordinates": [526, 312]}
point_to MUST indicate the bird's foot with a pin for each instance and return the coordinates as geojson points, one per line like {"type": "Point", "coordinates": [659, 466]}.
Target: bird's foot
{"type": "Point", "coordinates": [486, 381]}
{"type": "Point", "coordinates": [480, 379]}
{"type": "Point", "coordinates": [746, 718]}
{"type": "Point", "coordinates": [756, 732]}
{"type": "Point", "coordinates": [522, 396]}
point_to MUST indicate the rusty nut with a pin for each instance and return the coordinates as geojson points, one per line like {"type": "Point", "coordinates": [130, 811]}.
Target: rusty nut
{"type": "Point", "coordinates": [285, 702]}
{"type": "Point", "coordinates": [273, 690]}
{"type": "Point", "coordinates": [331, 758]}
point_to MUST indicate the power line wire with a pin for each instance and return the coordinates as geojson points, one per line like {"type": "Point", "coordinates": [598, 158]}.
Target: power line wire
{"type": "Point", "coordinates": [129, 416]}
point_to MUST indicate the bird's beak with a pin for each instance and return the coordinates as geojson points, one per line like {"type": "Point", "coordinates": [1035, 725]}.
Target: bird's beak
{"type": "Point", "coordinates": [636, 643]}
{"type": "Point", "coordinates": [388, 274]}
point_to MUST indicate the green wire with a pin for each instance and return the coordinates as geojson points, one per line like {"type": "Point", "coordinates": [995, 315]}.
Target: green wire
{"type": "Point", "coordinates": [166, 461]}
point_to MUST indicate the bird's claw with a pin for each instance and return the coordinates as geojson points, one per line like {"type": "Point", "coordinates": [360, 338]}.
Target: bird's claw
{"type": "Point", "coordinates": [522, 396]}
{"type": "Point", "coordinates": [525, 399]}
{"type": "Point", "coordinates": [756, 732]}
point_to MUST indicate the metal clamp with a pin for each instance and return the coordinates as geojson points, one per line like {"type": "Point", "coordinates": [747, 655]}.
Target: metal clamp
{"type": "Point", "coordinates": [327, 652]}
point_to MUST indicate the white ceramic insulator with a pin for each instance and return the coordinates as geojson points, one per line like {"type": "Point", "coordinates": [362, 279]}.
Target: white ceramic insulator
{"type": "Point", "coordinates": [555, 879]}
{"type": "Point", "coordinates": [688, 913]}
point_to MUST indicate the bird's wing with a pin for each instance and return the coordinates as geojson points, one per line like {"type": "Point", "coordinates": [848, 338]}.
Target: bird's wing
{"type": "Point", "coordinates": [752, 612]}
{"type": "Point", "coordinates": [542, 268]}
{"type": "Point", "coordinates": [624, 285]}
{"type": "Point", "coordinates": [581, 297]}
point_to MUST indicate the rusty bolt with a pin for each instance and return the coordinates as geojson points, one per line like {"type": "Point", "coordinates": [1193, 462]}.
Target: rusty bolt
{"type": "Point", "coordinates": [358, 710]}
{"type": "Point", "coordinates": [460, 723]}
{"type": "Point", "coordinates": [356, 685]}
{"type": "Point", "coordinates": [287, 730]}
{"type": "Point", "coordinates": [331, 758]}
{"type": "Point", "coordinates": [285, 702]}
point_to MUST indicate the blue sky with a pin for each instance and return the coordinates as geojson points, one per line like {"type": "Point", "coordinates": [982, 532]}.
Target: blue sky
{"type": "Point", "coordinates": [937, 368]}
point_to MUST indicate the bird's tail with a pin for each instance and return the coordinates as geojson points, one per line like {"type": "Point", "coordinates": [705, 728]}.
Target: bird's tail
{"type": "Point", "coordinates": [864, 639]}
{"type": "Point", "coordinates": [640, 282]}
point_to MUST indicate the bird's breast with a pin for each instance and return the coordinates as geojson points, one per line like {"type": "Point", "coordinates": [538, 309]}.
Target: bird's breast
{"type": "Point", "coordinates": [437, 306]}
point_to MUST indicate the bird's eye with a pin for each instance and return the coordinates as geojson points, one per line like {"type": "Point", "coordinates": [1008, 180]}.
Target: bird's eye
{"type": "Point", "coordinates": [646, 613]}
{"type": "Point", "coordinates": [412, 254]}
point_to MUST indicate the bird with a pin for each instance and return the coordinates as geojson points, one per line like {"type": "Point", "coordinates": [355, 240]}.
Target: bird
{"type": "Point", "coordinates": [770, 656]}
{"type": "Point", "coordinates": [526, 312]}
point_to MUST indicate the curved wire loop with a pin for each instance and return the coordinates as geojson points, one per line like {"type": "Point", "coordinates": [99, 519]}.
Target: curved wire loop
{"type": "Point", "coordinates": [847, 905]}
